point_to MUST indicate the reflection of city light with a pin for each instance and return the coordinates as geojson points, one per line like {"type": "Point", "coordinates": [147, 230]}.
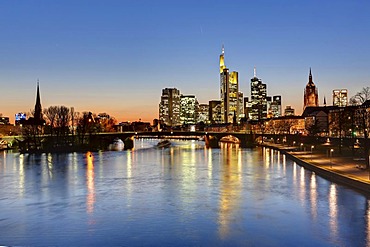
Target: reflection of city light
{"type": "Point", "coordinates": [230, 190]}
{"type": "Point", "coordinates": [21, 174]}
{"type": "Point", "coordinates": [313, 195]}
{"type": "Point", "coordinates": [90, 183]}
{"type": "Point", "coordinates": [368, 223]}
{"type": "Point", "coordinates": [302, 186]}
{"type": "Point", "coordinates": [333, 210]}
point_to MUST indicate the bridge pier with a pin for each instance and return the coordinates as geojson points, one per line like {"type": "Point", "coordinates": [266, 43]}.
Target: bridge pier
{"type": "Point", "coordinates": [211, 141]}
{"type": "Point", "coordinates": [128, 143]}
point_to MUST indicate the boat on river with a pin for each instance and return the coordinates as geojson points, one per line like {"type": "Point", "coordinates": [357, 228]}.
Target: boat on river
{"type": "Point", "coordinates": [117, 145]}
{"type": "Point", "coordinates": [164, 144]}
{"type": "Point", "coordinates": [230, 139]}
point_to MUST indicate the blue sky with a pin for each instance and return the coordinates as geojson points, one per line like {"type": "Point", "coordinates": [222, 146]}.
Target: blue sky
{"type": "Point", "coordinates": [116, 56]}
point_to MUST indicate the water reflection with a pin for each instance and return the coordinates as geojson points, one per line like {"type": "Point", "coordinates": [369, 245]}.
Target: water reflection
{"type": "Point", "coordinates": [333, 211]}
{"type": "Point", "coordinates": [313, 196]}
{"type": "Point", "coordinates": [90, 197]}
{"type": "Point", "coordinates": [230, 188]}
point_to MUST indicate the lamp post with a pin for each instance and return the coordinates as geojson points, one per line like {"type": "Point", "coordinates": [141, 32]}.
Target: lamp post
{"type": "Point", "coordinates": [312, 147]}
{"type": "Point", "coordinates": [331, 155]}
{"type": "Point", "coordinates": [301, 146]}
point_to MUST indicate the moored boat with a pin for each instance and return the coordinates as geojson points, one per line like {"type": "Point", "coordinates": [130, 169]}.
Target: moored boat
{"type": "Point", "coordinates": [164, 143]}
{"type": "Point", "coordinates": [117, 145]}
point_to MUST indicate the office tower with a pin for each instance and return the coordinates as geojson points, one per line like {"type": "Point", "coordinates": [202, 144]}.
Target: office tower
{"type": "Point", "coordinates": [240, 106]}
{"type": "Point", "coordinates": [169, 107]}
{"type": "Point", "coordinates": [340, 97]}
{"type": "Point", "coordinates": [268, 105]}
{"type": "Point", "coordinates": [289, 111]}
{"type": "Point", "coordinates": [311, 95]}
{"type": "Point", "coordinates": [258, 99]}
{"type": "Point", "coordinates": [215, 112]}
{"type": "Point", "coordinates": [247, 108]}
{"type": "Point", "coordinates": [229, 91]}
{"type": "Point", "coordinates": [189, 109]}
{"type": "Point", "coordinates": [276, 106]}
{"type": "Point", "coordinates": [203, 114]}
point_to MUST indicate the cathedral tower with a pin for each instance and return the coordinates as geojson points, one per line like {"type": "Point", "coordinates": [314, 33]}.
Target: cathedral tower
{"type": "Point", "coordinates": [311, 95]}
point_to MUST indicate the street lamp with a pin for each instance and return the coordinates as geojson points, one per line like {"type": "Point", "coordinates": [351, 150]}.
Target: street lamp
{"type": "Point", "coordinates": [301, 146]}
{"type": "Point", "coordinates": [312, 147]}
{"type": "Point", "coordinates": [331, 155]}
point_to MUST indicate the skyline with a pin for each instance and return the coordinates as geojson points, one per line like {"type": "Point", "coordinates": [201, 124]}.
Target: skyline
{"type": "Point", "coordinates": [108, 57]}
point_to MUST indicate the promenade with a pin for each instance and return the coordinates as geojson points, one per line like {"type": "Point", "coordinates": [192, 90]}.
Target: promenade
{"type": "Point", "coordinates": [341, 169]}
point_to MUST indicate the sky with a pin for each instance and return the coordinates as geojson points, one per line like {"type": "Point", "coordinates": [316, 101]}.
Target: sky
{"type": "Point", "coordinates": [117, 56]}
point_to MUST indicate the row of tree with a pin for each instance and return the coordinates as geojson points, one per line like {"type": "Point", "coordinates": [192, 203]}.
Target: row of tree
{"type": "Point", "coordinates": [63, 128]}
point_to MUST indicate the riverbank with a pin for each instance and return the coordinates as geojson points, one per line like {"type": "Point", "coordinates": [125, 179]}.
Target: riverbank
{"type": "Point", "coordinates": [340, 169]}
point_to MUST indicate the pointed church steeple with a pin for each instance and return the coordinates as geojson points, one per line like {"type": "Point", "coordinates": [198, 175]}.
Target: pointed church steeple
{"type": "Point", "coordinates": [310, 77]}
{"type": "Point", "coordinates": [38, 109]}
{"type": "Point", "coordinates": [324, 101]}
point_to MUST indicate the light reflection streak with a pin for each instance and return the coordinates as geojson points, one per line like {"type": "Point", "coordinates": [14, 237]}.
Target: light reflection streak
{"type": "Point", "coordinates": [284, 164]}
{"type": "Point", "coordinates": [333, 211]}
{"type": "Point", "coordinates": [313, 196]}
{"type": "Point", "coordinates": [267, 157]}
{"type": "Point", "coordinates": [367, 220]}
{"type": "Point", "coordinates": [230, 189]}
{"type": "Point", "coordinates": [21, 175]}
{"type": "Point", "coordinates": [90, 199]}
{"type": "Point", "coordinates": [210, 166]}
{"type": "Point", "coordinates": [302, 186]}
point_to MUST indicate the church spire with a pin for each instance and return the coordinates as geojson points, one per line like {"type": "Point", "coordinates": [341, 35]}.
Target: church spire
{"type": "Point", "coordinates": [37, 114]}
{"type": "Point", "coordinates": [310, 77]}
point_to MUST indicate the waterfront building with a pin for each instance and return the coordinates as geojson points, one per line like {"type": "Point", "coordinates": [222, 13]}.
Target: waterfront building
{"type": "Point", "coordinates": [311, 94]}
{"type": "Point", "coordinates": [229, 91]}
{"type": "Point", "coordinates": [169, 107]}
{"type": "Point", "coordinates": [340, 97]}
{"type": "Point", "coordinates": [258, 98]}
{"type": "Point", "coordinates": [289, 111]}
{"type": "Point", "coordinates": [215, 113]}
{"type": "Point", "coordinates": [203, 114]}
{"type": "Point", "coordinates": [247, 108]}
{"type": "Point", "coordinates": [240, 106]}
{"type": "Point", "coordinates": [188, 109]}
{"type": "Point", "coordinates": [20, 118]}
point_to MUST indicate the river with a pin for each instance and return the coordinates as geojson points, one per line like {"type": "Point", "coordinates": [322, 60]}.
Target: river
{"type": "Point", "coordinates": [185, 195]}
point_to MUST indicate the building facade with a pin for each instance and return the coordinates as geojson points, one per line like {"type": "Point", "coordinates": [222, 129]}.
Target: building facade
{"type": "Point", "coordinates": [340, 97]}
{"type": "Point", "coordinates": [188, 109]}
{"type": "Point", "coordinates": [215, 112]}
{"type": "Point", "coordinates": [203, 113]}
{"type": "Point", "coordinates": [311, 93]}
{"type": "Point", "coordinates": [169, 107]}
{"type": "Point", "coordinates": [258, 99]}
{"type": "Point", "coordinates": [289, 111]}
{"type": "Point", "coordinates": [275, 106]}
{"type": "Point", "coordinates": [229, 91]}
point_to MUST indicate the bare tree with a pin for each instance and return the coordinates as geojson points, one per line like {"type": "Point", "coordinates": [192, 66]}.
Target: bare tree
{"type": "Point", "coordinates": [361, 96]}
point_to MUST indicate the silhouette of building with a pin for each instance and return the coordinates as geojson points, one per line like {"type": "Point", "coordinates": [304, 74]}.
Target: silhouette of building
{"type": "Point", "coordinates": [169, 107]}
{"type": "Point", "coordinates": [37, 118]}
{"type": "Point", "coordinates": [289, 111]}
{"type": "Point", "coordinates": [229, 91]}
{"type": "Point", "coordinates": [311, 95]}
{"type": "Point", "coordinates": [340, 97]}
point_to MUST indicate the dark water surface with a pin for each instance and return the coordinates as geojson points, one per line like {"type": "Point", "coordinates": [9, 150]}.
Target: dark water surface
{"type": "Point", "coordinates": [185, 195]}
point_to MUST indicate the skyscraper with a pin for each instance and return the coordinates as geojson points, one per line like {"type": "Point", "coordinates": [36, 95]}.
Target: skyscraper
{"type": "Point", "coordinates": [189, 109]}
{"type": "Point", "coordinates": [258, 98]}
{"type": "Point", "coordinates": [203, 114]}
{"type": "Point", "coordinates": [311, 95]}
{"type": "Point", "coordinates": [229, 91]}
{"type": "Point", "coordinates": [340, 97]}
{"type": "Point", "coordinates": [169, 107]}
{"type": "Point", "coordinates": [215, 113]}
{"type": "Point", "coordinates": [276, 106]}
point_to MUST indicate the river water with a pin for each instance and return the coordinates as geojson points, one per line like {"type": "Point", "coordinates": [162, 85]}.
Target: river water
{"type": "Point", "coordinates": [185, 195]}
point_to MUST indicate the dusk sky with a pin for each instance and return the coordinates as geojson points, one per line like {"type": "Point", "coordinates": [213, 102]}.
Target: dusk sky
{"type": "Point", "coordinates": [117, 56]}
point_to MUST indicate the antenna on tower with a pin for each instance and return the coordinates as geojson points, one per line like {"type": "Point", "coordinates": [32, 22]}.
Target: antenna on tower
{"type": "Point", "coordinates": [254, 72]}
{"type": "Point", "coordinates": [223, 49]}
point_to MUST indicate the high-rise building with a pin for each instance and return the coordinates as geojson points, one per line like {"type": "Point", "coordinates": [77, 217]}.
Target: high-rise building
{"type": "Point", "coordinates": [203, 114]}
{"type": "Point", "coordinates": [169, 107]}
{"type": "Point", "coordinates": [229, 91]}
{"type": "Point", "coordinates": [240, 106]}
{"type": "Point", "coordinates": [340, 97]}
{"type": "Point", "coordinates": [258, 99]}
{"type": "Point", "coordinates": [188, 109]}
{"type": "Point", "coordinates": [247, 108]}
{"type": "Point", "coordinates": [276, 106]}
{"type": "Point", "coordinates": [215, 112]}
{"type": "Point", "coordinates": [311, 94]}
{"type": "Point", "coordinates": [289, 111]}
